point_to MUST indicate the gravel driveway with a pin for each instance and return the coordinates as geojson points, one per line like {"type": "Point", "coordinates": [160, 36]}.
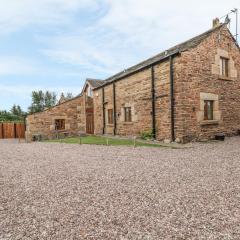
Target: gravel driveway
{"type": "Point", "coordinates": [58, 191]}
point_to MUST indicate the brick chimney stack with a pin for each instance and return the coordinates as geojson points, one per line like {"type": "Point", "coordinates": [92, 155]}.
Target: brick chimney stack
{"type": "Point", "coordinates": [216, 22]}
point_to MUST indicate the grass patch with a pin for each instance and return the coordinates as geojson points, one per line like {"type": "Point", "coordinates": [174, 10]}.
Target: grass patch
{"type": "Point", "coordinates": [100, 140]}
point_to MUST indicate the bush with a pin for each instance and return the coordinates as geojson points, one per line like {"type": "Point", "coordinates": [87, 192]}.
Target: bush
{"type": "Point", "coordinates": [146, 135]}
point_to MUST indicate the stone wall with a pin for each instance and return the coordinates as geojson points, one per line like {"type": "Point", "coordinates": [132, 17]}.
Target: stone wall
{"type": "Point", "coordinates": [135, 92]}
{"type": "Point", "coordinates": [198, 73]}
{"type": "Point", "coordinates": [73, 111]}
{"type": "Point", "coordinates": [196, 78]}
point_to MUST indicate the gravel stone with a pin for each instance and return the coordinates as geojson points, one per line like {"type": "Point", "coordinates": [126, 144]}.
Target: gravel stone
{"type": "Point", "coordinates": [61, 191]}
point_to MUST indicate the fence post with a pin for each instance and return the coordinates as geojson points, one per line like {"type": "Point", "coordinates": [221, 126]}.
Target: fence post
{"type": "Point", "coordinates": [15, 130]}
{"type": "Point", "coordinates": [134, 141]}
{"type": "Point", "coordinates": [3, 131]}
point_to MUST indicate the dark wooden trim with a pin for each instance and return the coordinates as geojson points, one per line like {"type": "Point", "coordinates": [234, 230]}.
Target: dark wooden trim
{"type": "Point", "coordinates": [153, 102]}
{"type": "Point", "coordinates": [172, 98]}
{"type": "Point", "coordinates": [114, 110]}
{"type": "Point", "coordinates": [15, 130]}
{"type": "Point", "coordinates": [103, 110]}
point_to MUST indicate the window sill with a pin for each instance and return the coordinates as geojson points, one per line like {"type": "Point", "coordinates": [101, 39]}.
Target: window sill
{"type": "Point", "coordinates": [225, 78]}
{"type": "Point", "coordinates": [128, 123]}
{"type": "Point", "coordinates": [209, 122]}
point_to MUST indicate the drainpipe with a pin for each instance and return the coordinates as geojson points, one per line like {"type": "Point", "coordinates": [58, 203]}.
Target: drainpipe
{"type": "Point", "coordinates": [172, 98]}
{"type": "Point", "coordinates": [114, 109]}
{"type": "Point", "coordinates": [153, 103]}
{"type": "Point", "coordinates": [103, 109]}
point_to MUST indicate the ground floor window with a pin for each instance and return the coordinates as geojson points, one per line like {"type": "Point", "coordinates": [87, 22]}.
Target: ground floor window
{"type": "Point", "coordinates": [128, 114]}
{"type": "Point", "coordinates": [208, 109]}
{"type": "Point", "coordinates": [110, 116]}
{"type": "Point", "coordinates": [209, 112]}
{"type": "Point", "coordinates": [60, 124]}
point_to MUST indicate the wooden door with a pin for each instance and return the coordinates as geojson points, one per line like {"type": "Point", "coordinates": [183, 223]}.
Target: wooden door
{"type": "Point", "coordinates": [89, 121]}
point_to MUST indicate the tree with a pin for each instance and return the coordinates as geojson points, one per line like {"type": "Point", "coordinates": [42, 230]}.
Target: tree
{"type": "Point", "coordinates": [9, 117]}
{"type": "Point", "coordinates": [17, 111]}
{"type": "Point", "coordinates": [41, 100]}
{"type": "Point", "coordinates": [69, 96]}
{"type": "Point", "coordinates": [50, 99]}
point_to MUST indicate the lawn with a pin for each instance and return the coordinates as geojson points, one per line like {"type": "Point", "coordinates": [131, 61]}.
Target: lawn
{"type": "Point", "coordinates": [99, 140]}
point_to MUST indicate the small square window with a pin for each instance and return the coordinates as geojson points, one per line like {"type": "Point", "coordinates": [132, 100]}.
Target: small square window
{"type": "Point", "coordinates": [59, 124]}
{"type": "Point", "coordinates": [128, 114]}
{"type": "Point", "coordinates": [110, 116]}
{"type": "Point", "coordinates": [224, 67]}
{"type": "Point", "coordinates": [208, 110]}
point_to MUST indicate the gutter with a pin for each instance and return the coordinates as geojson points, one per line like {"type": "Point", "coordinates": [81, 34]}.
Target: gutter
{"type": "Point", "coordinates": [172, 99]}
{"type": "Point", "coordinates": [114, 110]}
{"type": "Point", "coordinates": [139, 69]}
{"type": "Point", "coordinates": [103, 110]}
{"type": "Point", "coordinates": [153, 103]}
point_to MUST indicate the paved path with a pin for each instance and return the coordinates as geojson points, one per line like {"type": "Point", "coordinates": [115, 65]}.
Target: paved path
{"type": "Point", "coordinates": [59, 191]}
{"type": "Point", "coordinates": [10, 141]}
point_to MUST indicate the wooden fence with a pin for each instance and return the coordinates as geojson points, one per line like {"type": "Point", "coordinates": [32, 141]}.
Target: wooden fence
{"type": "Point", "coordinates": [12, 130]}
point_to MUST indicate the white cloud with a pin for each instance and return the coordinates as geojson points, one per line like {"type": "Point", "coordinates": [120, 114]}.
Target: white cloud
{"type": "Point", "coordinates": [76, 50]}
{"type": "Point", "coordinates": [132, 30]}
{"type": "Point", "coordinates": [14, 65]}
{"type": "Point", "coordinates": [128, 32]}
{"type": "Point", "coordinates": [17, 14]}
{"type": "Point", "coordinates": [150, 22]}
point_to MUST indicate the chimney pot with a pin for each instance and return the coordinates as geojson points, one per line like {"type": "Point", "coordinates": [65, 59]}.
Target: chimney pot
{"type": "Point", "coordinates": [216, 22]}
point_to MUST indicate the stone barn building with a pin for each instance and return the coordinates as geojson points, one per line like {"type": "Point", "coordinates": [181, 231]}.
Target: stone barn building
{"type": "Point", "coordinates": [68, 117]}
{"type": "Point", "coordinates": [188, 92]}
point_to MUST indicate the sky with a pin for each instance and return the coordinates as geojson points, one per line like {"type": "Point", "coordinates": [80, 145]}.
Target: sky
{"type": "Point", "coordinates": [56, 44]}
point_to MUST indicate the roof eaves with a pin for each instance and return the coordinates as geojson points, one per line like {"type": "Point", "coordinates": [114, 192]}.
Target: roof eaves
{"type": "Point", "coordinates": [191, 43]}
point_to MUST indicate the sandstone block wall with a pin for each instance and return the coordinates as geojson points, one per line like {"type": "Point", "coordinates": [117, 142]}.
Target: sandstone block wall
{"type": "Point", "coordinates": [73, 111]}
{"type": "Point", "coordinates": [198, 75]}
{"type": "Point", "coordinates": [196, 78]}
{"type": "Point", "coordinates": [135, 92]}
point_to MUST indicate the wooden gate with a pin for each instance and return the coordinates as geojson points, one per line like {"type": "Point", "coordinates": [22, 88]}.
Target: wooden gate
{"type": "Point", "coordinates": [12, 130]}
{"type": "Point", "coordinates": [89, 121]}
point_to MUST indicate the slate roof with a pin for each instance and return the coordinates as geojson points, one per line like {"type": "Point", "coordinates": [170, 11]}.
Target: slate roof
{"type": "Point", "coordinates": [193, 42]}
{"type": "Point", "coordinates": [95, 82]}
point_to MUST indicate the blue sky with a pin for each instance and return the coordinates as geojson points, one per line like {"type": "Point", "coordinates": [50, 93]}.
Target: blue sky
{"type": "Point", "coordinates": [56, 44]}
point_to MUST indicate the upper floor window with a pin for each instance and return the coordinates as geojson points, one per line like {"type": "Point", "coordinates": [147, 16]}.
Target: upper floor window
{"type": "Point", "coordinates": [90, 92]}
{"type": "Point", "coordinates": [208, 109]}
{"type": "Point", "coordinates": [110, 116]}
{"type": "Point", "coordinates": [224, 66]}
{"type": "Point", "coordinates": [128, 114]}
{"type": "Point", "coordinates": [60, 124]}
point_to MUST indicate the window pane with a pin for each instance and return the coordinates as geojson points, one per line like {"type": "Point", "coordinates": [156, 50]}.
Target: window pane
{"type": "Point", "coordinates": [128, 114]}
{"type": "Point", "coordinates": [224, 67]}
{"type": "Point", "coordinates": [208, 110]}
{"type": "Point", "coordinates": [110, 116]}
{"type": "Point", "coordinates": [59, 124]}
